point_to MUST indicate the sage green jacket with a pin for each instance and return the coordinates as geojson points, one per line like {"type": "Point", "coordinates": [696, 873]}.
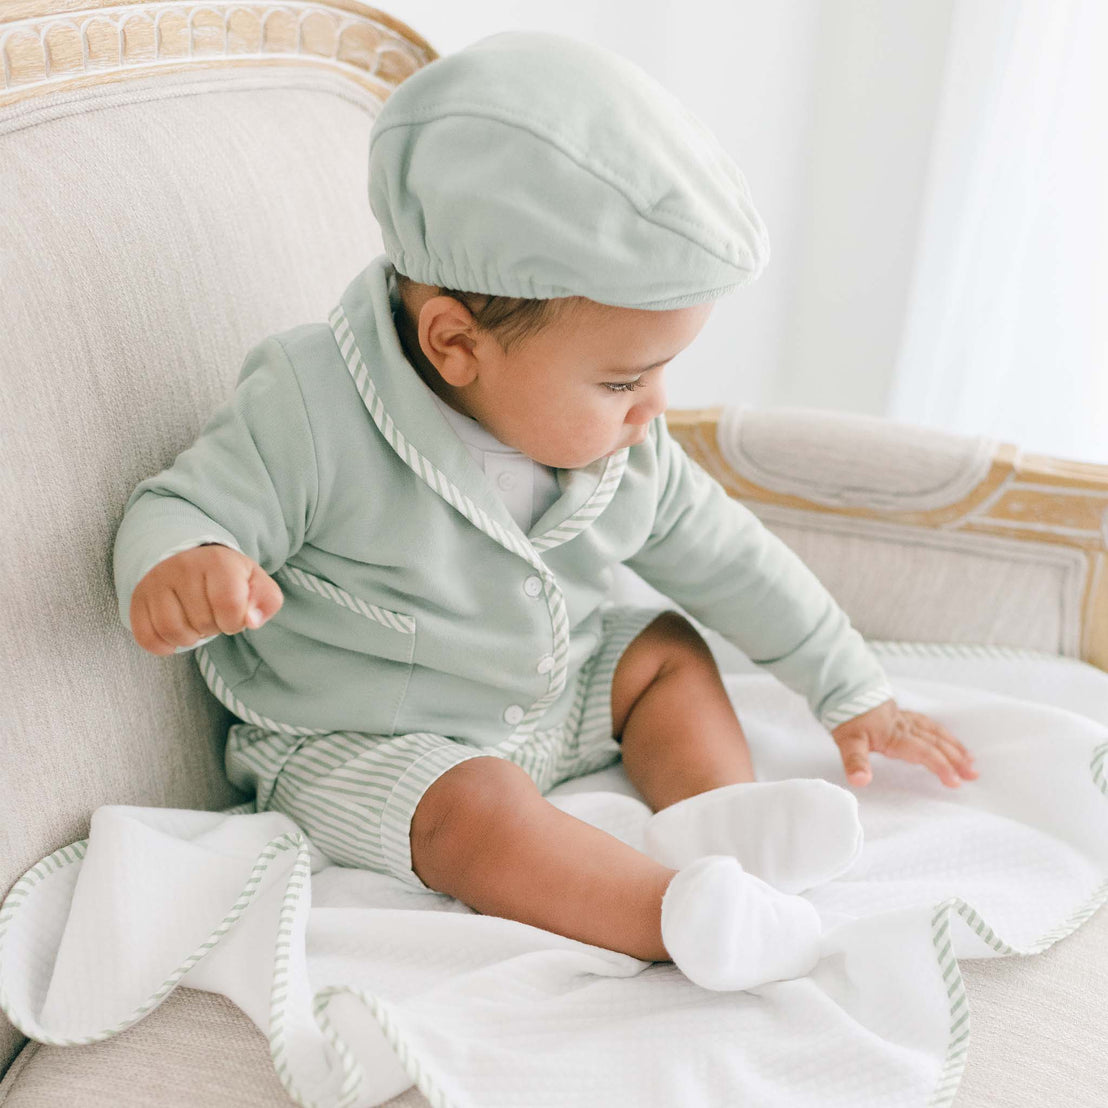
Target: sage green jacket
{"type": "Point", "coordinates": [412, 599]}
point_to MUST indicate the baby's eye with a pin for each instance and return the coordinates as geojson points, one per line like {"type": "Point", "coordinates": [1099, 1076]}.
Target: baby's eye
{"type": "Point", "coordinates": [626, 386]}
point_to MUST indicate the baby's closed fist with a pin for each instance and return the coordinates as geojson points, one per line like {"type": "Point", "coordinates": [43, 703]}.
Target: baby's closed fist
{"type": "Point", "coordinates": [205, 591]}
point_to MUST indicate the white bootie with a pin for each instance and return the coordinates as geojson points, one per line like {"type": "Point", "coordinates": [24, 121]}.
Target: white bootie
{"type": "Point", "coordinates": [793, 834]}
{"type": "Point", "coordinates": [727, 929]}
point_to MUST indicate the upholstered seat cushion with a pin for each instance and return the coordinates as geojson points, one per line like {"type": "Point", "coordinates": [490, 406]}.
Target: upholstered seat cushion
{"type": "Point", "coordinates": [195, 1049]}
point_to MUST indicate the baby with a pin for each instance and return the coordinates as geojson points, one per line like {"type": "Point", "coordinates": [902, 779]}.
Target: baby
{"type": "Point", "coordinates": [391, 547]}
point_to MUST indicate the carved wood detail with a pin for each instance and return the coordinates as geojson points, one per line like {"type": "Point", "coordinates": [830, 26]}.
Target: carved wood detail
{"type": "Point", "coordinates": [52, 45]}
{"type": "Point", "coordinates": [1024, 496]}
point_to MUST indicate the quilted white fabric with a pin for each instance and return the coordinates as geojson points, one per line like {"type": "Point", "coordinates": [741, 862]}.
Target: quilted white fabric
{"type": "Point", "coordinates": [365, 987]}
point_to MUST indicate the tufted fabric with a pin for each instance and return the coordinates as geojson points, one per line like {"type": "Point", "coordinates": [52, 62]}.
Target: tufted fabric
{"type": "Point", "coordinates": [153, 231]}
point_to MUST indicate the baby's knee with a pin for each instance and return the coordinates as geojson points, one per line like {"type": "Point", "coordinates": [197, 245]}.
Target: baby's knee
{"type": "Point", "coordinates": [675, 641]}
{"type": "Point", "coordinates": [679, 632]}
{"type": "Point", "coordinates": [462, 810]}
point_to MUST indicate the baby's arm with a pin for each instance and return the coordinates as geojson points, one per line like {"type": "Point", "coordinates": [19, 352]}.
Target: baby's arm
{"type": "Point", "coordinates": [249, 483]}
{"type": "Point", "coordinates": [717, 560]}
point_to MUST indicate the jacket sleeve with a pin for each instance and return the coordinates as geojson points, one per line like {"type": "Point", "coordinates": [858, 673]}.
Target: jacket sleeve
{"type": "Point", "coordinates": [714, 557]}
{"type": "Point", "coordinates": [248, 481]}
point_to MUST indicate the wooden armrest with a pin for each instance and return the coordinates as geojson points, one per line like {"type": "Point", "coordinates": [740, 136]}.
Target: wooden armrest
{"type": "Point", "coordinates": [1031, 497]}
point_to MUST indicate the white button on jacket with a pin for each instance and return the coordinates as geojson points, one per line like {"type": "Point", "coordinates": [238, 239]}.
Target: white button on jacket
{"type": "Point", "coordinates": [532, 586]}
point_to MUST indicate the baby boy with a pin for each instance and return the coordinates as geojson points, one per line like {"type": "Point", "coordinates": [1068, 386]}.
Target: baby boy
{"type": "Point", "coordinates": [391, 547]}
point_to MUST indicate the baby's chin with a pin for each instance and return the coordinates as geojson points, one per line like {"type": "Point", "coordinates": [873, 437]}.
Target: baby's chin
{"type": "Point", "coordinates": [578, 459]}
{"type": "Point", "coordinates": [583, 462]}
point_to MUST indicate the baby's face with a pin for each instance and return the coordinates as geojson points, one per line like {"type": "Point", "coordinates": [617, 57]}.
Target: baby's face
{"type": "Point", "coordinates": [581, 389]}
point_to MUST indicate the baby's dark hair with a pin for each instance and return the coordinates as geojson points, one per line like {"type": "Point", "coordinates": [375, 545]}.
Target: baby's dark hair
{"type": "Point", "coordinates": [509, 319]}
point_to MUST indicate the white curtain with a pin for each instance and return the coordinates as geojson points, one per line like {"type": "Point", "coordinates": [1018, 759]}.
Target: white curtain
{"type": "Point", "coordinates": [1006, 331]}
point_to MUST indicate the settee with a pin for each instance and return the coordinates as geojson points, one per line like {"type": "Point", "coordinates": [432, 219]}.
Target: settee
{"type": "Point", "coordinates": [178, 180]}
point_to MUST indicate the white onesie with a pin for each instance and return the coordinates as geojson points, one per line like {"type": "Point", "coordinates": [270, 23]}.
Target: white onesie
{"type": "Point", "coordinates": [527, 487]}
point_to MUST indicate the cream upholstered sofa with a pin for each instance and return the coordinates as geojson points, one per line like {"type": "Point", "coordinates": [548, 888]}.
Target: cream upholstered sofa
{"type": "Point", "coordinates": [178, 180]}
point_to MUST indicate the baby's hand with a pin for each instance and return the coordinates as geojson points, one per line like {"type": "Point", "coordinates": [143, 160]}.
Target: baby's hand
{"type": "Point", "coordinates": [899, 734]}
{"type": "Point", "coordinates": [200, 592]}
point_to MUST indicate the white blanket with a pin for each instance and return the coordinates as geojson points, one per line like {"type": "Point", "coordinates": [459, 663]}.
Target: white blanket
{"type": "Point", "coordinates": [365, 986]}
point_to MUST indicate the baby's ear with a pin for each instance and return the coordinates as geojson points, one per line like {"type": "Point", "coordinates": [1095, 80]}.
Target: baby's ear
{"type": "Point", "coordinates": [458, 369]}
{"type": "Point", "coordinates": [460, 357]}
{"type": "Point", "coordinates": [451, 342]}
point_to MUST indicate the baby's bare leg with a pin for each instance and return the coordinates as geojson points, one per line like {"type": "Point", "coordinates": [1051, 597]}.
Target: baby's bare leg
{"type": "Point", "coordinates": [673, 717]}
{"type": "Point", "coordinates": [483, 833]}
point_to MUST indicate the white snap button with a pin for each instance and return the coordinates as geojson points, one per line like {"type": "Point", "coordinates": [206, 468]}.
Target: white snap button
{"type": "Point", "coordinates": [506, 481]}
{"type": "Point", "coordinates": [546, 663]}
{"type": "Point", "coordinates": [513, 714]}
{"type": "Point", "coordinates": [532, 586]}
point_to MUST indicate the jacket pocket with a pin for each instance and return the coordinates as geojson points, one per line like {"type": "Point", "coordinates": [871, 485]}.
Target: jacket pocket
{"type": "Point", "coordinates": [396, 621]}
{"type": "Point", "coordinates": [386, 638]}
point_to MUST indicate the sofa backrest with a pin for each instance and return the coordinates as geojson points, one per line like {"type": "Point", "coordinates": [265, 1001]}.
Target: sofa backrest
{"type": "Point", "coordinates": [174, 186]}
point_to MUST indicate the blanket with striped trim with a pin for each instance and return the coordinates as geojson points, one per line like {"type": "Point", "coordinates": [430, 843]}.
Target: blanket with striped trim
{"type": "Point", "coordinates": [365, 987]}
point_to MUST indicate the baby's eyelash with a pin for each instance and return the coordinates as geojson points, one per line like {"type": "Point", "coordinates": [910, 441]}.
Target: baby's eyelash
{"type": "Point", "coordinates": [626, 386]}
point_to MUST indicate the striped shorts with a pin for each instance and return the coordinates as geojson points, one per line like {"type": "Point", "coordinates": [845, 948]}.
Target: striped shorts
{"type": "Point", "coordinates": [354, 794]}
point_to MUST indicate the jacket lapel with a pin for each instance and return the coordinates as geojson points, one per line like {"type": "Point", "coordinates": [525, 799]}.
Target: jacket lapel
{"type": "Point", "coordinates": [364, 329]}
{"type": "Point", "coordinates": [585, 494]}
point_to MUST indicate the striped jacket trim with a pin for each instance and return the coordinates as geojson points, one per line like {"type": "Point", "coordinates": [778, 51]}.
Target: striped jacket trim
{"type": "Point", "coordinates": [596, 503]}
{"type": "Point", "coordinates": [228, 699]}
{"type": "Point", "coordinates": [856, 705]}
{"type": "Point", "coordinates": [397, 621]}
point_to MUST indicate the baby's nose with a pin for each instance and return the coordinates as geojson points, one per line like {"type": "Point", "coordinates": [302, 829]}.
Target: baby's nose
{"type": "Point", "coordinates": [651, 405]}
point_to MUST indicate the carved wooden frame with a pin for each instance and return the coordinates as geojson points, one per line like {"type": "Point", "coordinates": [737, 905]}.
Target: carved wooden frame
{"type": "Point", "coordinates": [1023, 496]}
{"type": "Point", "coordinates": [48, 46]}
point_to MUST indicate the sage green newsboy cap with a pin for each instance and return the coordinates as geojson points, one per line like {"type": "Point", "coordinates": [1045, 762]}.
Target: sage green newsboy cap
{"type": "Point", "coordinates": [533, 164]}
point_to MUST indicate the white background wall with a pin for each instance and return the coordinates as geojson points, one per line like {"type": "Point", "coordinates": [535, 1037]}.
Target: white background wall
{"type": "Point", "coordinates": [836, 173]}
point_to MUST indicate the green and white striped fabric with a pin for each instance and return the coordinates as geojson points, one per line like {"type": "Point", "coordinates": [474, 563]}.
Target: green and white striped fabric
{"type": "Point", "coordinates": [355, 794]}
